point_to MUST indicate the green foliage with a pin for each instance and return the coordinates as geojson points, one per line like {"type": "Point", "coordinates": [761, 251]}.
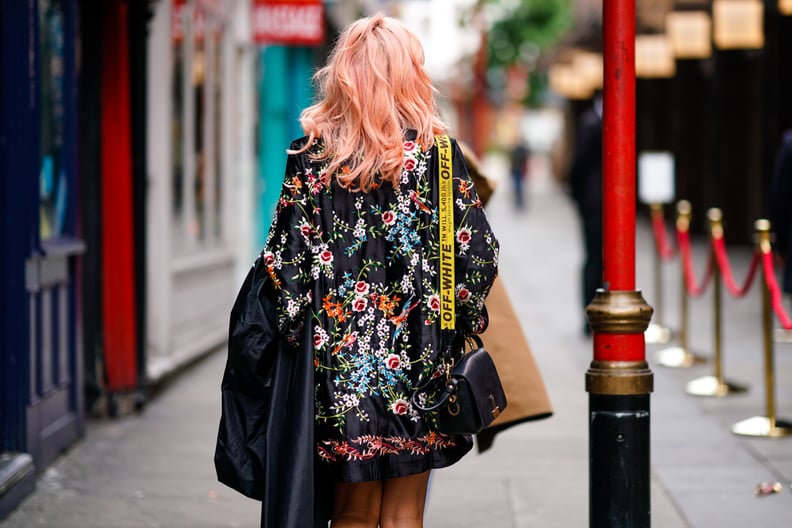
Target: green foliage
{"type": "Point", "coordinates": [524, 28]}
{"type": "Point", "coordinates": [537, 83]}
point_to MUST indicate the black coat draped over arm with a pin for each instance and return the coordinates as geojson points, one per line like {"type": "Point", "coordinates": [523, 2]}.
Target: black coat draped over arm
{"type": "Point", "coordinates": [265, 443]}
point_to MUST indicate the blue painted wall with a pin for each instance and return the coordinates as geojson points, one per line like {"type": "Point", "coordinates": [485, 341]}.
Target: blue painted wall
{"type": "Point", "coordinates": [284, 90]}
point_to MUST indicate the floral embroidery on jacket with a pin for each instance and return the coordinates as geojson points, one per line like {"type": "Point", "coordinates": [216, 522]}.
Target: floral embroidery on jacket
{"type": "Point", "coordinates": [361, 269]}
{"type": "Point", "coordinates": [370, 446]}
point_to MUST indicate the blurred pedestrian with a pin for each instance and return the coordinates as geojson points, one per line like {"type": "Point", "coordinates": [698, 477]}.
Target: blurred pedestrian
{"type": "Point", "coordinates": [352, 264]}
{"type": "Point", "coordinates": [585, 185]}
{"type": "Point", "coordinates": [518, 168]}
{"type": "Point", "coordinates": [781, 207]}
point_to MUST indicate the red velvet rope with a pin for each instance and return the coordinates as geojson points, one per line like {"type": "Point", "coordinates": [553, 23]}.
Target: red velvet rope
{"type": "Point", "coordinates": [775, 291]}
{"type": "Point", "coordinates": [694, 289]}
{"type": "Point", "coordinates": [664, 249]}
{"type": "Point", "coordinates": [728, 278]}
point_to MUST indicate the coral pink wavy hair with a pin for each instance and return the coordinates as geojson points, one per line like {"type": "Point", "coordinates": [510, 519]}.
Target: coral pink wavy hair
{"type": "Point", "coordinates": [373, 88]}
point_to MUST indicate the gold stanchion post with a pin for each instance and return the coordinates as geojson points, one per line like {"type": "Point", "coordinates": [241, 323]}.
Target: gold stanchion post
{"type": "Point", "coordinates": [680, 356]}
{"type": "Point", "coordinates": [768, 425]}
{"type": "Point", "coordinates": [657, 333]}
{"type": "Point", "coordinates": [715, 385]}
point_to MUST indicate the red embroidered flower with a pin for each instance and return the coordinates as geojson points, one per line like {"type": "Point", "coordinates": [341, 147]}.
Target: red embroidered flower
{"type": "Point", "coordinates": [359, 304]}
{"type": "Point", "coordinates": [463, 294]}
{"type": "Point", "coordinates": [318, 340]}
{"type": "Point", "coordinates": [434, 302]}
{"type": "Point", "coordinates": [269, 258]}
{"type": "Point", "coordinates": [326, 256]}
{"type": "Point", "coordinates": [388, 218]}
{"type": "Point", "coordinates": [361, 288]}
{"type": "Point", "coordinates": [409, 164]}
{"type": "Point", "coordinates": [393, 361]}
{"type": "Point", "coordinates": [409, 146]}
{"type": "Point", "coordinates": [463, 235]}
{"type": "Point", "coordinates": [305, 229]}
{"type": "Point", "coordinates": [400, 406]}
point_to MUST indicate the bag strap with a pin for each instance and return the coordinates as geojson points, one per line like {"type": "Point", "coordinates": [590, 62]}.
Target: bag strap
{"type": "Point", "coordinates": [450, 385]}
{"type": "Point", "coordinates": [447, 272]}
{"type": "Point", "coordinates": [447, 278]}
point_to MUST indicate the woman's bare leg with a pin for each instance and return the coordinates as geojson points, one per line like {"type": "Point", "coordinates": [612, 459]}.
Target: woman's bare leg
{"type": "Point", "coordinates": [357, 504]}
{"type": "Point", "coordinates": [403, 501]}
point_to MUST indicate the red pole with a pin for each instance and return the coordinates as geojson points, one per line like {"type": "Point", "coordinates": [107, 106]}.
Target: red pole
{"type": "Point", "coordinates": [619, 145]}
{"type": "Point", "coordinates": [619, 171]}
{"type": "Point", "coordinates": [619, 380]}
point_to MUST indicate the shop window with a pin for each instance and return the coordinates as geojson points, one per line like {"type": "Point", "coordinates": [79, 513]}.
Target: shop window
{"type": "Point", "coordinates": [197, 117]}
{"type": "Point", "coordinates": [197, 226]}
{"type": "Point", "coordinates": [177, 118]}
{"type": "Point", "coordinates": [218, 129]}
{"type": "Point", "coordinates": [53, 187]}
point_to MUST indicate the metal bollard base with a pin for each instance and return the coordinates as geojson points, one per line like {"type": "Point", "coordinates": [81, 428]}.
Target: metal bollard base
{"type": "Point", "coordinates": [678, 357]}
{"type": "Point", "coordinates": [713, 387]}
{"type": "Point", "coordinates": [763, 426]}
{"type": "Point", "coordinates": [782, 335]}
{"type": "Point", "coordinates": [619, 478]}
{"type": "Point", "coordinates": [657, 334]}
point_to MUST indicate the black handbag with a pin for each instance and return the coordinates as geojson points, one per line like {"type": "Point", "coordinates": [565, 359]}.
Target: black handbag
{"type": "Point", "coordinates": [472, 395]}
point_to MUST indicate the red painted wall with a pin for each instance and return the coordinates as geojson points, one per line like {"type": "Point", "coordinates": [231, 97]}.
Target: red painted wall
{"type": "Point", "coordinates": [118, 277]}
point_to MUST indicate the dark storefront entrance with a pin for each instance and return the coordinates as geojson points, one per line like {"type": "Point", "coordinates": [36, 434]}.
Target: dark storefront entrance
{"type": "Point", "coordinates": [40, 353]}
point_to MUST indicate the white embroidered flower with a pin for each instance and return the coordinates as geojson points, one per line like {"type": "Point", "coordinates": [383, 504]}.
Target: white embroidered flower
{"type": "Point", "coordinates": [406, 284]}
{"type": "Point", "coordinates": [292, 307]}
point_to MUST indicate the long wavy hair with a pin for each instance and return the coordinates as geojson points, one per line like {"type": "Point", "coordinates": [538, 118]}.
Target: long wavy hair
{"type": "Point", "coordinates": [373, 88]}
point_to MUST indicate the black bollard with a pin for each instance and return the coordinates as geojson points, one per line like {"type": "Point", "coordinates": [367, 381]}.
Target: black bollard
{"type": "Point", "coordinates": [619, 461]}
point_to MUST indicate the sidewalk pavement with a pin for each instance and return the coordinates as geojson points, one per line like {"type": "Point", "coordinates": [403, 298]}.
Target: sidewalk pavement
{"type": "Point", "coordinates": [155, 469]}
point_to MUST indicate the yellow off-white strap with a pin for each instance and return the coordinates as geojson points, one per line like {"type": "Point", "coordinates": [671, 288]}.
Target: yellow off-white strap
{"type": "Point", "coordinates": [447, 275]}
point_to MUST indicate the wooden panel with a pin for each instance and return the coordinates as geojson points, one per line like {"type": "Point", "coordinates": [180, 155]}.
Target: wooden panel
{"type": "Point", "coordinates": [202, 297]}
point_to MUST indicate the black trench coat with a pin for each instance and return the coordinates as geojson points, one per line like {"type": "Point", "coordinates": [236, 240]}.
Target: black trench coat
{"type": "Point", "coordinates": [265, 443]}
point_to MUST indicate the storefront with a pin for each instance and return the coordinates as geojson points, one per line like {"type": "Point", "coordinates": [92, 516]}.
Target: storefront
{"type": "Point", "coordinates": [142, 150]}
{"type": "Point", "coordinates": [216, 155]}
{"type": "Point", "coordinates": [40, 245]}
{"type": "Point", "coordinates": [194, 65]}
